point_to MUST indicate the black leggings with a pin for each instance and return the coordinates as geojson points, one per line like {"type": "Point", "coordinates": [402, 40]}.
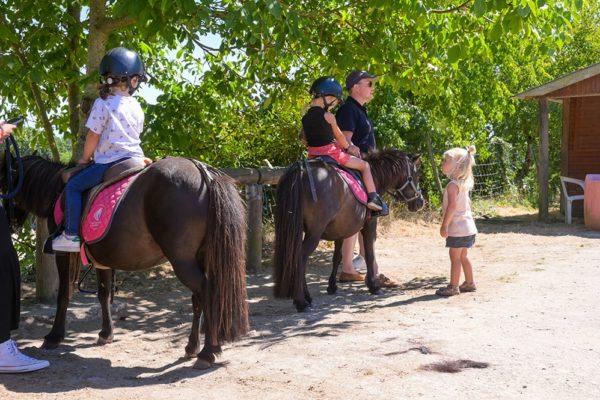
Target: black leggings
{"type": "Point", "coordinates": [10, 281]}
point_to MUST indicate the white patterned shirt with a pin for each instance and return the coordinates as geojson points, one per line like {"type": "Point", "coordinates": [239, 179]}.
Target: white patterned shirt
{"type": "Point", "coordinates": [119, 121]}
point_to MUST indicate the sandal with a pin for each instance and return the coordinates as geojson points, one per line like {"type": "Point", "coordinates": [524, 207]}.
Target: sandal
{"type": "Point", "coordinates": [448, 291]}
{"type": "Point", "coordinates": [467, 287]}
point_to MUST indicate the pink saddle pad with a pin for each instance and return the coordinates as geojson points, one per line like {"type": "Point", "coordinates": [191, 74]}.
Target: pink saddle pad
{"type": "Point", "coordinates": [357, 189]}
{"type": "Point", "coordinates": [98, 218]}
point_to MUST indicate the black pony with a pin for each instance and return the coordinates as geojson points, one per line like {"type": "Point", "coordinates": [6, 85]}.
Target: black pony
{"type": "Point", "coordinates": [312, 199]}
{"type": "Point", "coordinates": [177, 209]}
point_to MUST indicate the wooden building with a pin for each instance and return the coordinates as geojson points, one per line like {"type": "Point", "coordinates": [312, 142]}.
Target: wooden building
{"type": "Point", "coordinates": [579, 93]}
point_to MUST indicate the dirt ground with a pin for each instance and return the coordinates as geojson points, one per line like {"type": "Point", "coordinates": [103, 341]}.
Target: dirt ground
{"type": "Point", "coordinates": [534, 320]}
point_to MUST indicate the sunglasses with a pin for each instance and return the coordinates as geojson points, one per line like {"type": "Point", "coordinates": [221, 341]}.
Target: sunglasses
{"type": "Point", "coordinates": [369, 83]}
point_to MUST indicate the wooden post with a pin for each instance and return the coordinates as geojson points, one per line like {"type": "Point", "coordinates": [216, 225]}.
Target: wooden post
{"type": "Point", "coordinates": [254, 195]}
{"type": "Point", "coordinates": [434, 167]}
{"type": "Point", "coordinates": [46, 274]}
{"type": "Point", "coordinates": [543, 162]}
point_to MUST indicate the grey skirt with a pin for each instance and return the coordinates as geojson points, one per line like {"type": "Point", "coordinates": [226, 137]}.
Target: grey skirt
{"type": "Point", "coordinates": [456, 242]}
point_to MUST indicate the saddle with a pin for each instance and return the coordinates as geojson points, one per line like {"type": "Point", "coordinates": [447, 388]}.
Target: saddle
{"type": "Point", "coordinates": [352, 177]}
{"type": "Point", "coordinates": [99, 202]}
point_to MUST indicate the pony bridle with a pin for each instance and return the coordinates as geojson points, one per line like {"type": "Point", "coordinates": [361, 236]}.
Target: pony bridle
{"type": "Point", "coordinates": [398, 193]}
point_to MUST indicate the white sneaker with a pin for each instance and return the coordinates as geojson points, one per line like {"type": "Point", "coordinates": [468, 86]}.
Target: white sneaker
{"type": "Point", "coordinates": [359, 263]}
{"type": "Point", "coordinates": [66, 243]}
{"type": "Point", "coordinates": [12, 361]}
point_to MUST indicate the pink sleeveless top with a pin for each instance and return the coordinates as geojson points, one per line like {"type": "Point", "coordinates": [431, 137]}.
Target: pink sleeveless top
{"type": "Point", "coordinates": [462, 223]}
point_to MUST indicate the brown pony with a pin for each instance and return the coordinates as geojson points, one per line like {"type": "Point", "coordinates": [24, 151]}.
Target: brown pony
{"type": "Point", "coordinates": [177, 209]}
{"type": "Point", "coordinates": [314, 203]}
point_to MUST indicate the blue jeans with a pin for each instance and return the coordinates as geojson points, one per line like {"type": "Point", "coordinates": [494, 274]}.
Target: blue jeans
{"type": "Point", "coordinates": [89, 177]}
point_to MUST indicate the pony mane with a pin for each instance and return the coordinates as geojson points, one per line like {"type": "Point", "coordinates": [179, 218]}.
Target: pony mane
{"type": "Point", "coordinates": [386, 166]}
{"type": "Point", "coordinates": [41, 186]}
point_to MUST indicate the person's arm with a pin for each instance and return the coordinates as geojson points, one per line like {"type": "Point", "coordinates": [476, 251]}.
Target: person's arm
{"type": "Point", "coordinates": [337, 133]}
{"type": "Point", "coordinates": [91, 142]}
{"type": "Point", "coordinates": [353, 149]}
{"type": "Point", "coordinates": [452, 195]}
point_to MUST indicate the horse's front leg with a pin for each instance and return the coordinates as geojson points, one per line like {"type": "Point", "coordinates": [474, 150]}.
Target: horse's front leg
{"type": "Point", "coordinates": [57, 333]}
{"type": "Point", "coordinates": [337, 258]}
{"type": "Point", "coordinates": [104, 277]}
{"type": "Point", "coordinates": [369, 232]}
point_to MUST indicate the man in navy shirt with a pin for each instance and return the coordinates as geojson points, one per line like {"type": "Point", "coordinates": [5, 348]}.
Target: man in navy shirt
{"type": "Point", "coordinates": [354, 122]}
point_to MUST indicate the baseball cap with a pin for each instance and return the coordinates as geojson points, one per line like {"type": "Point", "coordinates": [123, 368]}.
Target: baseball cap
{"type": "Point", "coordinates": [355, 76]}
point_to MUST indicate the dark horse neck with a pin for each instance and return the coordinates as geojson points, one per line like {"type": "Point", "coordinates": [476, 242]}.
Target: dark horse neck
{"type": "Point", "coordinates": [41, 186]}
{"type": "Point", "coordinates": [387, 166]}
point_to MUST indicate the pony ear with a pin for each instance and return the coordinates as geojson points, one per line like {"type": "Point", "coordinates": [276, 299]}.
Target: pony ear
{"type": "Point", "coordinates": [35, 153]}
{"type": "Point", "coordinates": [415, 158]}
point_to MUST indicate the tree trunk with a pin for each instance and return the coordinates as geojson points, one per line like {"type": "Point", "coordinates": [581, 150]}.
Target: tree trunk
{"type": "Point", "coordinates": [434, 167]}
{"type": "Point", "coordinates": [46, 275]}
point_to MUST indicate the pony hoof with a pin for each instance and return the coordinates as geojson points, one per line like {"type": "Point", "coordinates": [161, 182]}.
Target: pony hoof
{"type": "Point", "coordinates": [302, 307]}
{"type": "Point", "coordinates": [201, 363]}
{"type": "Point", "coordinates": [49, 344]}
{"type": "Point", "coordinates": [102, 341]}
{"type": "Point", "coordinates": [331, 290]}
{"type": "Point", "coordinates": [375, 290]}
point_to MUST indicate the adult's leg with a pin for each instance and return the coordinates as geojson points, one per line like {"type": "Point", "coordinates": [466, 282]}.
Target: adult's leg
{"type": "Point", "coordinates": [10, 281]}
{"type": "Point", "coordinates": [348, 254]}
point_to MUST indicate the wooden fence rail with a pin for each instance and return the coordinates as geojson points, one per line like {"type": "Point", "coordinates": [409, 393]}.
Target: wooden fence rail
{"type": "Point", "coordinates": [254, 179]}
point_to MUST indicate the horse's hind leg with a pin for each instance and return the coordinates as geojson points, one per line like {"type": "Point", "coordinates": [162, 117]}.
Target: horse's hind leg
{"type": "Point", "coordinates": [191, 274]}
{"type": "Point", "coordinates": [57, 333]}
{"type": "Point", "coordinates": [302, 297]}
{"type": "Point", "coordinates": [337, 258]}
{"type": "Point", "coordinates": [104, 277]}
{"type": "Point", "coordinates": [193, 346]}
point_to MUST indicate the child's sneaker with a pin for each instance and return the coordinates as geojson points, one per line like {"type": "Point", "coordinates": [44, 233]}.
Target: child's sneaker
{"type": "Point", "coordinates": [68, 243]}
{"type": "Point", "coordinates": [448, 291]}
{"type": "Point", "coordinates": [376, 203]}
{"type": "Point", "coordinates": [12, 361]}
{"type": "Point", "coordinates": [467, 287]}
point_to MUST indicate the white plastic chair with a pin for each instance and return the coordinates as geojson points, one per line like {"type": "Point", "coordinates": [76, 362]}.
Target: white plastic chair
{"type": "Point", "coordinates": [570, 198]}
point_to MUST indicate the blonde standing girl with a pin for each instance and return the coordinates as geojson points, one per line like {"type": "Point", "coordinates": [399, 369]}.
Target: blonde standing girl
{"type": "Point", "coordinates": [458, 226]}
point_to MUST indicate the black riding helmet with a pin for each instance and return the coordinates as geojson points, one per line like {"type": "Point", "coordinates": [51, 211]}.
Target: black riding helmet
{"type": "Point", "coordinates": [326, 86]}
{"type": "Point", "coordinates": [120, 65]}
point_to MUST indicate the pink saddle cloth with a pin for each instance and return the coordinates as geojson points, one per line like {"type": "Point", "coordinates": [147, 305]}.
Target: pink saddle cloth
{"type": "Point", "coordinates": [357, 189]}
{"type": "Point", "coordinates": [100, 213]}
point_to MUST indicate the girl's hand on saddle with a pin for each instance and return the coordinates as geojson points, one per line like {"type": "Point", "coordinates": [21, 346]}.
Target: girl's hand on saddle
{"type": "Point", "coordinates": [354, 150]}
{"type": "Point", "coordinates": [444, 231]}
{"type": "Point", "coordinates": [147, 161]}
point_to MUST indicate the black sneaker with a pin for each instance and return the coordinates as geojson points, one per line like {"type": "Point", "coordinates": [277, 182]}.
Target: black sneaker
{"type": "Point", "coordinates": [374, 202]}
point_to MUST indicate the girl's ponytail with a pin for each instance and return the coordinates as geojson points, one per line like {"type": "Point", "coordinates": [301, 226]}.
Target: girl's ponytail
{"type": "Point", "coordinates": [103, 90]}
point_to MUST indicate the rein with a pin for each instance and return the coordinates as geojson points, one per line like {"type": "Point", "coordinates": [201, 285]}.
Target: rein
{"type": "Point", "coordinates": [12, 191]}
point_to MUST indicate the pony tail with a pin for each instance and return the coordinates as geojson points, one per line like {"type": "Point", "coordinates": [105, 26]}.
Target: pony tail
{"type": "Point", "coordinates": [288, 233]}
{"type": "Point", "coordinates": [225, 306]}
{"type": "Point", "coordinates": [471, 150]}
